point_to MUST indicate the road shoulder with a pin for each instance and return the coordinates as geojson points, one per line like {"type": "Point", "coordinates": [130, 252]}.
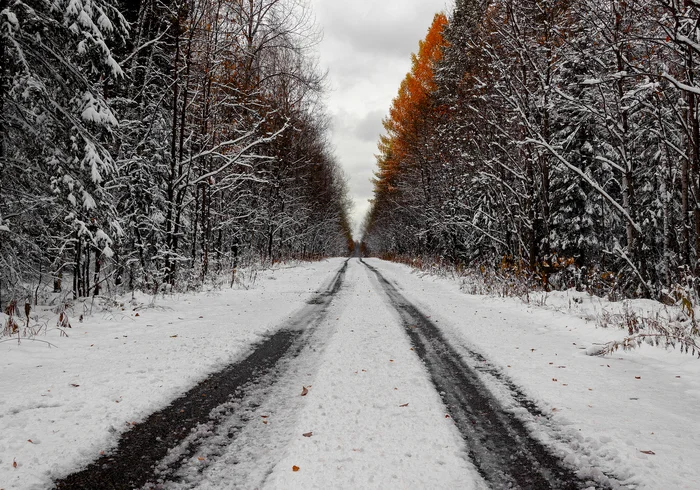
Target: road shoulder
{"type": "Point", "coordinates": [607, 414]}
{"type": "Point", "coordinates": [64, 406]}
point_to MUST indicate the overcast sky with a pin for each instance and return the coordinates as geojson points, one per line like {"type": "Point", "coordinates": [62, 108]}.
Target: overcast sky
{"type": "Point", "coordinates": [366, 49]}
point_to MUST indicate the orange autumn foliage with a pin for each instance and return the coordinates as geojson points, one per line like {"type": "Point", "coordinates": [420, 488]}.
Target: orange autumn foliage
{"type": "Point", "coordinates": [411, 106]}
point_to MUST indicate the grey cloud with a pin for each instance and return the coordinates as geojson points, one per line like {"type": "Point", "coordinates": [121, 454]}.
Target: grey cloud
{"type": "Point", "coordinates": [388, 29]}
{"type": "Point", "coordinates": [370, 127]}
{"type": "Point", "coordinates": [342, 122]}
{"type": "Point", "coordinates": [366, 128]}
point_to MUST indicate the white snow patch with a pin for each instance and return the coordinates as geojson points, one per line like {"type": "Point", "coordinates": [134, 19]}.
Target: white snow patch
{"type": "Point", "coordinates": [127, 364]}
{"type": "Point", "coordinates": [88, 201]}
{"type": "Point", "coordinates": [605, 411]}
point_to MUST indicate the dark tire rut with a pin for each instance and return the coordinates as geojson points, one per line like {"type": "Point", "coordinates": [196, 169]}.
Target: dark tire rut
{"type": "Point", "coordinates": [499, 445]}
{"type": "Point", "coordinates": [133, 463]}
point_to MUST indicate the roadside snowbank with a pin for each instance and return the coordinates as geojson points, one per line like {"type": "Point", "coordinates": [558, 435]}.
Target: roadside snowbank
{"type": "Point", "coordinates": [60, 407]}
{"type": "Point", "coordinates": [610, 412]}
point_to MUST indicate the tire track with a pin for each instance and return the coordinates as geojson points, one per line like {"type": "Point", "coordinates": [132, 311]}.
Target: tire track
{"type": "Point", "coordinates": [135, 461]}
{"type": "Point", "coordinates": [498, 443]}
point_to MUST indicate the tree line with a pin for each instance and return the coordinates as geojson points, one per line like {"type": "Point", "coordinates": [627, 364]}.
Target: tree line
{"type": "Point", "coordinates": [152, 143]}
{"type": "Point", "coordinates": [558, 138]}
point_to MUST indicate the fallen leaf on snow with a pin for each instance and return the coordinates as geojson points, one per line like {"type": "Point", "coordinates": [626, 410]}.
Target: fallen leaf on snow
{"type": "Point", "coordinates": [173, 336]}
{"type": "Point", "coordinates": [648, 452]}
{"type": "Point", "coordinates": [304, 391]}
{"type": "Point", "coordinates": [404, 405]}
{"type": "Point", "coordinates": [295, 468]}
{"type": "Point", "coordinates": [308, 434]}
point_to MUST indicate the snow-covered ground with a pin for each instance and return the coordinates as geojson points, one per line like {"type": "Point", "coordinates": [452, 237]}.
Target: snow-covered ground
{"type": "Point", "coordinates": [614, 411]}
{"type": "Point", "coordinates": [61, 407]}
{"type": "Point", "coordinates": [371, 417]}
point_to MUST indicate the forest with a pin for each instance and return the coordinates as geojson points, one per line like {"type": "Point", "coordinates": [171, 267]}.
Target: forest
{"type": "Point", "coordinates": [152, 144]}
{"type": "Point", "coordinates": [552, 140]}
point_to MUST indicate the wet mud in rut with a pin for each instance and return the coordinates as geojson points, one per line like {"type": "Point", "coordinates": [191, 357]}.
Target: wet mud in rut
{"type": "Point", "coordinates": [499, 444]}
{"type": "Point", "coordinates": [134, 462]}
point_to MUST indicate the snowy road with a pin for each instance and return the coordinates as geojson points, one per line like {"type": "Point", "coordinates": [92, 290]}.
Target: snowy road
{"type": "Point", "coordinates": [409, 382]}
{"type": "Point", "coordinates": [388, 403]}
{"type": "Point", "coordinates": [497, 441]}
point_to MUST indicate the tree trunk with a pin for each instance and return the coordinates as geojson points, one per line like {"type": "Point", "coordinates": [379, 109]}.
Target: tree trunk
{"type": "Point", "coordinates": [76, 267]}
{"type": "Point", "coordinates": [98, 267]}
